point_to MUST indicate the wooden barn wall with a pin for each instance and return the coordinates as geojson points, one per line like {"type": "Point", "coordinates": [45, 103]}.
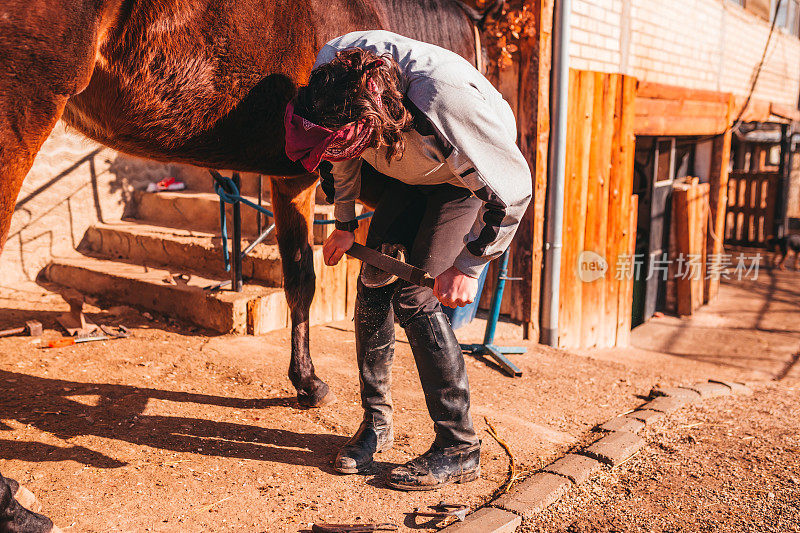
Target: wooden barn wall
{"type": "Point", "coordinates": [527, 87]}
{"type": "Point", "coordinates": [600, 211]}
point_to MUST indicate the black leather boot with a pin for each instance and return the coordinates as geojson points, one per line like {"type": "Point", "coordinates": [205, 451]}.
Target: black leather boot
{"type": "Point", "coordinates": [357, 454]}
{"type": "Point", "coordinates": [455, 454]}
{"type": "Point", "coordinates": [374, 324]}
{"type": "Point", "coordinates": [14, 518]}
{"type": "Point", "coordinates": [438, 467]}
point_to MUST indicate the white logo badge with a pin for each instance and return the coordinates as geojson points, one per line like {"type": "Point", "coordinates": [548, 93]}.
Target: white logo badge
{"type": "Point", "coordinates": [591, 266]}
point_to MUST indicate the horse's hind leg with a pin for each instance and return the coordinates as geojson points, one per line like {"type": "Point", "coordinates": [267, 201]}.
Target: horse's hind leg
{"type": "Point", "coordinates": [293, 202]}
{"type": "Point", "coordinates": [43, 61]}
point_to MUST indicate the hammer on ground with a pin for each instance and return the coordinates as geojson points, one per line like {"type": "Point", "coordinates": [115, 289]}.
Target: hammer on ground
{"type": "Point", "coordinates": [352, 528]}
{"type": "Point", "coordinates": [31, 327]}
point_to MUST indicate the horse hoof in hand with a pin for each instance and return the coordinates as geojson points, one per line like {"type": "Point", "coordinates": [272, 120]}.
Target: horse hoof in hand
{"type": "Point", "coordinates": [317, 395]}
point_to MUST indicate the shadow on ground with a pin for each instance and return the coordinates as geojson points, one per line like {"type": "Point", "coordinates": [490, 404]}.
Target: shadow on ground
{"type": "Point", "coordinates": [48, 405]}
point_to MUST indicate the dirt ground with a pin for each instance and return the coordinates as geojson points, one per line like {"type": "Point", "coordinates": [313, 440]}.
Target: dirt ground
{"type": "Point", "coordinates": [175, 430]}
{"type": "Point", "coordinates": [728, 464]}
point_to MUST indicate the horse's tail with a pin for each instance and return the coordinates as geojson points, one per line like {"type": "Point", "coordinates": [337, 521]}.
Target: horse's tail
{"type": "Point", "coordinates": [480, 18]}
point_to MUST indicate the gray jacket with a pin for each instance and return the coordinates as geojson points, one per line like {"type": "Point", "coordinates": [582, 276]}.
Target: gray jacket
{"type": "Point", "coordinates": [473, 146]}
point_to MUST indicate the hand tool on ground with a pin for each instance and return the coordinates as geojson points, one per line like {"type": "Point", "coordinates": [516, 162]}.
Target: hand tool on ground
{"type": "Point", "coordinates": [353, 528]}
{"type": "Point", "coordinates": [444, 510]}
{"type": "Point", "coordinates": [69, 341]}
{"type": "Point", "coordinates": [118, 332]}
{"type": "Point", "coordinates": [391, 265]}
{"type": "Point", "coordinates": [32, 327]}
{"type": "Point", "coordinates": [75, 322]}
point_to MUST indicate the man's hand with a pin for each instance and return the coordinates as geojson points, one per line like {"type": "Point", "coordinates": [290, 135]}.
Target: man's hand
{"type": "Point", "coordinates": [336, 245]}
{"type": "Point", "coordinates": [454, 288]}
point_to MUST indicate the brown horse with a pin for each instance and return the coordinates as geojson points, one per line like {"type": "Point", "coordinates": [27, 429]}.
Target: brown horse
{"type": "Point", "coordinates": [202, 82]}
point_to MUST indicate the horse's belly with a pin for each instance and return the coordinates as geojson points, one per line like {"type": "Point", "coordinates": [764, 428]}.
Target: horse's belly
{"type": "Point", "coordinates": [239, 128]}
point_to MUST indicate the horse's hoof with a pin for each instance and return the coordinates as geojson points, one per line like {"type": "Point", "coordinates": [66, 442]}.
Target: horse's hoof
{"type": "Point", "coordinates": [318, 397]}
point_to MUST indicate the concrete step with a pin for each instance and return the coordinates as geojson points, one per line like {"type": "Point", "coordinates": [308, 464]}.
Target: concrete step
{"type": "Point", "coordinates": [199, 211]}
{"type": "Point", "coordinates": [255, 310]}
{"type": "Point", "coordinates": [223, 311]}
{"type": "Point", "coordinates": [185, 250]}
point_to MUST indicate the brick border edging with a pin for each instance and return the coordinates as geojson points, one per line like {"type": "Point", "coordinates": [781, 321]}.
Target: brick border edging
{"type": "Point", "coordinates": [619, 444]}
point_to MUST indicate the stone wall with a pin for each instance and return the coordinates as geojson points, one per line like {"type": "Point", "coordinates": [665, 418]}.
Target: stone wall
{"type": "Point", "coordinates": [73, 183]}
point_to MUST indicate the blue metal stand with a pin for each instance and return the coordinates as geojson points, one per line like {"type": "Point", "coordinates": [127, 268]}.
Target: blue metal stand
{"type": "Point", "coordinates": [228, 191]}
{"type": "Point", "coordinates": [488, 347]}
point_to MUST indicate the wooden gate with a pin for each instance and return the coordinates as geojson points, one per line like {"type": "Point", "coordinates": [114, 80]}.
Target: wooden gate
{"type": "Point", "coordinates": [751, 207]}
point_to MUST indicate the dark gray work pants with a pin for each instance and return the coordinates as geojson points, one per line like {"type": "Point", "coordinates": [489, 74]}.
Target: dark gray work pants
{"type": "Point", "coordinates": [430, 222]}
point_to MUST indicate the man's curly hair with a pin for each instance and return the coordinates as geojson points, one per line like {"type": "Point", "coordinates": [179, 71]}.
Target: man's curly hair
{"type": "Point", "coordinates": [338, 93]}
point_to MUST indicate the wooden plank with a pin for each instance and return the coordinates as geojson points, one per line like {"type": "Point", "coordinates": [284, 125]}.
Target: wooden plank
{"type": "Point", "coordinates": [593, 297]}
{"type": "Point", "coordinates": [544, 18]}
{"type": "Point", "coordinates": [591, 292]}
{"type": "Point", "coordinates": [607, 323]}
{"type": "Point", "coordinates": [508, 85]}
{"type": "Point", "coordinates": [747, 209]}
{"type": "Point", "coordinates": [718, 181]}
{"type": "Point", "coordinates": [509, 306]}
{"type": "Point", "coordinates": [564, 318]}
{"type": "Point", "coordinates": [320, 312]}
{"type": "Point", "coordinates": [759, 198]}
{"type": "Point", "coordinates": [339, 291]}
{"type": "Point", "coordinates": [670, 110]}
{"type": "Point", "coordinates": [353, 269]}
{"type": "Point", "coordinates": [615, 187]}
{"type": "Point", "coordinates": [698, 196]}
{"type": "Point", "coordinates": [628, 206]}
{"type": "Point", "coordinates": [662, 91]}
{"type": "Point", "coordinates": [580, 126]}
{"type": "Point", "coordinates": [769, 216]}
{"type": "Point", "coordinates": [678, 109]}
{"type": "Point", "coordinates": [689, 201]}
{"type": "Point", "coordinates": [575, 211]}
{"type": "Point", "coordinates": [266, 314]}
{"type": "Point", "coordinates": [679, 125]}
{"type": "Point", "coordinates": [625, 311]}
{"type": "Point", "coordinates": [533, 121]}
{"type": "Point", "coordinates": [757, 110]}
{"type": "Point", "coordinates": [705, 213]}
